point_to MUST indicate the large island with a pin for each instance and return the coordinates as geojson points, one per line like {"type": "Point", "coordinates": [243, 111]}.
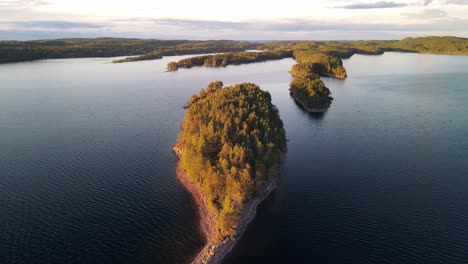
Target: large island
{"type": "Point", "coordinates": [230, 149]}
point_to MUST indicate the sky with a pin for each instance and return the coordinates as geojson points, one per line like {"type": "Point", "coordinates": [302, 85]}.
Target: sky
{"type": "Point", "coordinates": [237, 20]}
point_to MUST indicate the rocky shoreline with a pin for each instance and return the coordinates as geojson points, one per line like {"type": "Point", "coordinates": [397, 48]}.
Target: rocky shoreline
{"type": "Point", "coordinates": [214, 251]}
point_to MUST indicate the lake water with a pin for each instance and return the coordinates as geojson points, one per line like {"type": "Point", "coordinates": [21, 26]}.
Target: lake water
{"type": "Point", "coordinates": [87, 174]}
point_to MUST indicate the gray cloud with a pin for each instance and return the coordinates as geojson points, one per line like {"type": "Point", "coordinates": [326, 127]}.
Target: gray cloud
{"type": "Point", "coordinates": [457, 2]}
{"type": "Point", "coordinates": [379, 4]}
{"type": "Point", "coordinates": [170, 28]}
{"type": "Point", "coordinates": [428, 14]}
{"type": "Point", "coordinates": [22, 3]}
{"type": "Point", "coordinates": [305, 25]}
{"type": "Point", "coordinates": [55, 24]}
{"type": "Point", "coordinates": [190, 24]}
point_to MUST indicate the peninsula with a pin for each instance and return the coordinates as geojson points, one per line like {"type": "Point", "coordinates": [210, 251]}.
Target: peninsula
{"type": "Point", "coordinates": [230, 149]}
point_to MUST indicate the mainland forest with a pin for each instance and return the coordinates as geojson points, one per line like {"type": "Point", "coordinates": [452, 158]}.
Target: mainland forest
{"type": "Point", "coordinates": [145, 49]}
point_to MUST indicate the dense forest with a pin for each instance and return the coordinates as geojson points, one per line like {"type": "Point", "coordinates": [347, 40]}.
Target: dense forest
{"type": "Point", "coordinates": [12, 51]}
{"type": "Point", "coordinates": [321, 63]}
{"type": "Point", "coordinates": [346, 49]}
{"type": "Point", "coordinates": [232, 141]}
{"type": "Point", "coordinates": [192, 47]}
{"type": "Point", "coordinates": [146, 49]}
{"type": "Point", "coordinates": [228, 58]}
{"type": "Point", "coordinates": [306, 87]}
{"type": "Point", "coordinates": [308, 90]}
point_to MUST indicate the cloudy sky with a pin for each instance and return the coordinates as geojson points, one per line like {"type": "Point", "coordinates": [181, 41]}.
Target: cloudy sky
{"type": "Point", "coordinates": [239, 19]}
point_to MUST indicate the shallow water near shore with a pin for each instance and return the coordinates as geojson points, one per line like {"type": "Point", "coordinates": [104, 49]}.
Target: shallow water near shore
{"type": "Point", "coordinates": [88, 173]}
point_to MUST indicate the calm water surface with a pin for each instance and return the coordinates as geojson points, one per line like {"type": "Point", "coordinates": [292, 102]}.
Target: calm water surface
{"type": "Point", "coordinates": [382, 177]}
{"type": "Point", "coordinates": [87, 171]}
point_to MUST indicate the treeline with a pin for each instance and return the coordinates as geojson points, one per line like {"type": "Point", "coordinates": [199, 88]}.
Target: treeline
{"type": "Point", "coordinates": [321, 63]}
{"type": "Point", "coordinates": [211, 88]}
{"type": "Point", "coordinates": [341, 49]}
{"type": "Point", "coordinates": [434, 45]}
{"type": "Point", "coordinates": [193, 47]}
{"type": "Point", "coordinates": [346, 49]}
{"type": "Point", "coordinates": [232, 140]}
{"type": "Point", "coordinates": [13, 51]}
{"type": "Point", "coordinates": [224, 59]}
{"type": "Point", "coordinates": [145, 49]}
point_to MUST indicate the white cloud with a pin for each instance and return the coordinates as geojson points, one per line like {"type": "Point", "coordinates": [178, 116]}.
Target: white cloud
{"type": "Point", "coordinates": [214, 19]}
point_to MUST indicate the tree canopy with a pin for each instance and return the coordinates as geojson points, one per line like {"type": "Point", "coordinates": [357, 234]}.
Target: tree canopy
{"type": "Point", "coordinates": [321, 63]}
{"type": "Point", "coordinates": [232, 141]}
{"type": "Point", "coordinates": [228, 58]}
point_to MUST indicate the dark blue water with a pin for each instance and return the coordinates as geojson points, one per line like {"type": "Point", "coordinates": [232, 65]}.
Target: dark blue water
{"type": "Point", "coordinates": [87, 171]}
{"type": "Point", "coordinates": [382, 177]}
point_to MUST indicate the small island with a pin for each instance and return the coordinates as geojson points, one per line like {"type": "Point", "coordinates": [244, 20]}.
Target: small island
{"type": "Point", "coordinates": [230, 149]}
{"type": "Point", "coordinates": [306, 87]}
{"type": "Point", "coordinates": [230, 58]}
{"type": "Point", "coordinates": [308, 90]}
{"type": "Point", "coordinates": [321, 63]}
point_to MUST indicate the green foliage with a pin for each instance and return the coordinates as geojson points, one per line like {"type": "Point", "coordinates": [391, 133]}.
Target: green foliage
{"type": "Point", "coordinates": [172, 66]}
{"type": "Point", "coordinates": [11, 51]}
{"type": "Point", "coordinates": [346, 49]}
{"type": "Point", "coordinates": [308, 89]}
{"type": "Point", "coordinates": [211, 88]}
{"type": "Point", "coordinates": [437, 45]}
{"type": "Point", "coordinates": [321, 63]}
{"type": "Point", "coordinates": [192, 47]}
{"type": "Point", "coordinates": [232, 140]}
{"type": "Point", "coordinates": [224, 59]}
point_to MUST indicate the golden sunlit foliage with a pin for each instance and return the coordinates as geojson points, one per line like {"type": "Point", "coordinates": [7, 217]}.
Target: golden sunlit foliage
{"type": "Point", "coordinates": [308, 89]}
{"type": "Point", "coordinates": [232, 141]}
{"type": "Point", "coordinates": [346, 49]}
{"type": "Point", "coordinates": [224, 59]}
{"type": "Point", "coordinates": [172, 66]}
{"type": "Point", "coordinates": [11, 51]}
{"type": "Point", "coordinates": [321, 63]}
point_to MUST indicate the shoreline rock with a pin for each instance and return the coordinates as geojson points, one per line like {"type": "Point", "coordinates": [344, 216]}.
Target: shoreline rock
{"type": "Point", "coordinates": [215, 251]}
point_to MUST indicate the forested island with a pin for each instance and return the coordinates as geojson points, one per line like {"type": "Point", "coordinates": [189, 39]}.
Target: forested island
{"type": "Point", "coordinates": [229, 58]}
{"type": "Point", "coordinates": [308, 90]}
{"type": "Point", "coordinates": [306, 87]}
{"type": "Point", "coordinates": [230, 149]}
